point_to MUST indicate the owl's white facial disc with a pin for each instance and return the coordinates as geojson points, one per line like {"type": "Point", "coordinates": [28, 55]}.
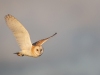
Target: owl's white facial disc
{"type": "Point", "coordinates": [38, 50]}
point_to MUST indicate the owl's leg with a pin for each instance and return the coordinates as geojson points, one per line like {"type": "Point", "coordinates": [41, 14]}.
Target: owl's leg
{"type": "Point", "coordinates": [19, 54]}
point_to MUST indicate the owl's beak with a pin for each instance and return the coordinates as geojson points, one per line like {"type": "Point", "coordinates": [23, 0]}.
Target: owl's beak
{"type": "Point", "coordinates": [39, 55]}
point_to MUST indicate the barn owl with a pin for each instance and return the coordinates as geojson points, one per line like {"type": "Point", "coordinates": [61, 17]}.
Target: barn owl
{"type": "Point", "coordinates": [23, 38]}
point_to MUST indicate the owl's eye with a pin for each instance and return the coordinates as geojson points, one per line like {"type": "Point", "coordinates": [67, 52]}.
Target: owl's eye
{"type": "Point", "coordinates": [37, 50]}
{"type": "Point", "coordinates": [40, 49]}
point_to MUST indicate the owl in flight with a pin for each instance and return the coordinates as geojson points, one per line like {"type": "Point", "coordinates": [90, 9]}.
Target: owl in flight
{"type": "Point", "coordinates": [23, 38]}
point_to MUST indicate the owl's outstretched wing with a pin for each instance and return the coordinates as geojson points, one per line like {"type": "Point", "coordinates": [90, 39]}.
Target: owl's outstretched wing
{"type": "Point", "coordinates": [40, 42]}
{"type": "Point", "coordinates": [21, 34]}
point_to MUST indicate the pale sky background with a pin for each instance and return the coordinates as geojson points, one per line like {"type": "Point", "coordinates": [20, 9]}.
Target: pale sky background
{"type": "Point", "coordinates": [75, 50]}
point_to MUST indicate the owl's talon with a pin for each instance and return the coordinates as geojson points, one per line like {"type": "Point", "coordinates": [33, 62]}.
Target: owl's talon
{"type": "Point", "coordinates": [19, 54]}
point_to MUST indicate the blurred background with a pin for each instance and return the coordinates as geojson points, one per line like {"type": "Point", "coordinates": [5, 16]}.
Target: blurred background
{"type": "Point", "coordinates": [75, 50]}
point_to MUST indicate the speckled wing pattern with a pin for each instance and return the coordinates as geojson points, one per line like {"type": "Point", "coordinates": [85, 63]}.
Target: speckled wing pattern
{"type": "Point", "coordinates": [40, 42]}
{"type": "Point", "coordinates": [21, 34]}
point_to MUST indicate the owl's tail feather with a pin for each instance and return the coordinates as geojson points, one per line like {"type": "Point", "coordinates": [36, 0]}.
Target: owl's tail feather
{"type": "Point", "coordinates": [19, 54]}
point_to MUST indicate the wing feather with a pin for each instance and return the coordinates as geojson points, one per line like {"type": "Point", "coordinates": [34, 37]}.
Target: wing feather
{"type": "Point", "coordinates": [21, 34]}
{"type": "Point", "coordinates": [40, 42]}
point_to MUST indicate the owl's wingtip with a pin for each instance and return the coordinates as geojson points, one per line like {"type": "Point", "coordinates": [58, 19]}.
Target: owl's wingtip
{"type": "Point", "coordinates": [56, 33]}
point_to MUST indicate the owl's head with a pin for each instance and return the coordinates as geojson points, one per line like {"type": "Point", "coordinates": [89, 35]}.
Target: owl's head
{"type": "Point", "coordinates": [37, 51]}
